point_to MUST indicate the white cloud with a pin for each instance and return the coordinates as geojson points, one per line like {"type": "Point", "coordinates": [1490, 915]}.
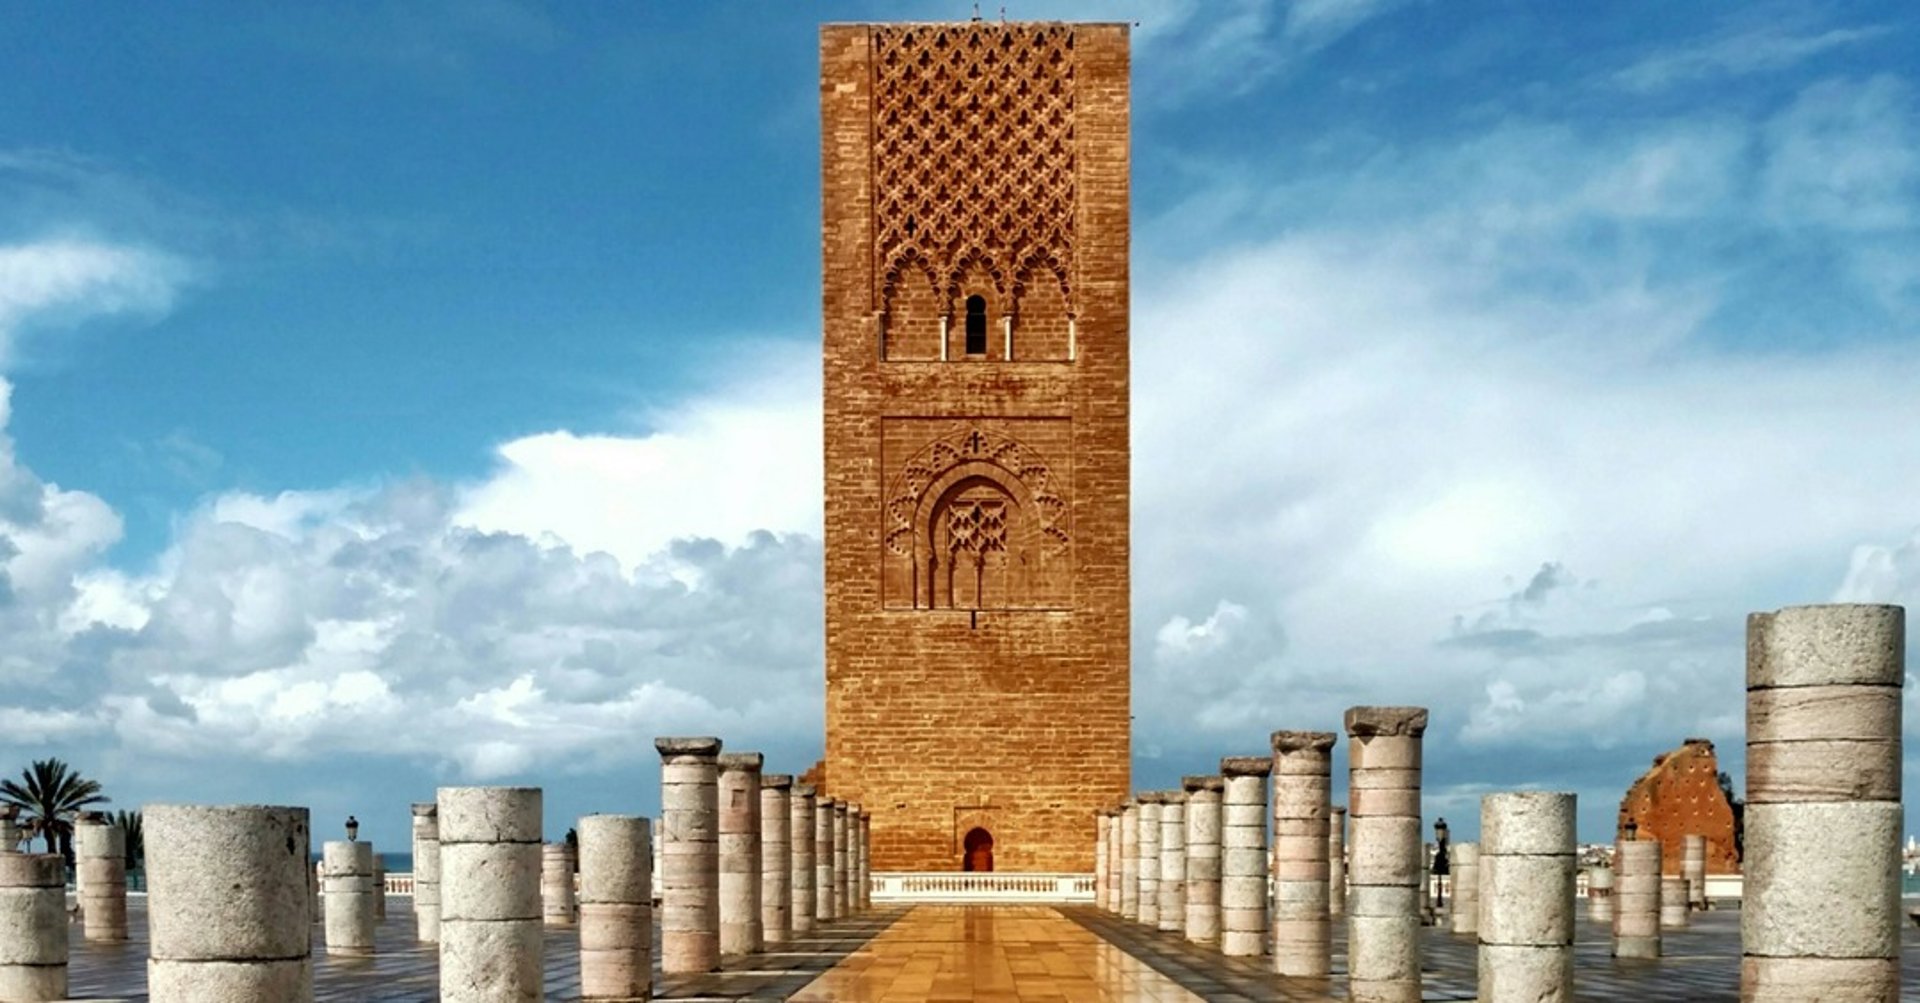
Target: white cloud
{"type": "Point", "coordinates": [1761, 48]}
{"type": "Point", "coordinates": [1846, 155]}
{"type": "Point", "coordinates": [62, 281]}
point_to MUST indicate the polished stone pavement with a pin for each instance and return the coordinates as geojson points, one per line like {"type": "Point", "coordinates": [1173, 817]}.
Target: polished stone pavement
{"type": "Point", "coordinates": [1004, 953]}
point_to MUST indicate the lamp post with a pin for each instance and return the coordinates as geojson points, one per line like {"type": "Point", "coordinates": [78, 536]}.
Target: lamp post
{"type": "Point", "coordinates": [1632, 828]}
{"type": "Point", "coordinates": [1442, 866]}
{"type": "Point", "coordinates": [353, 829]}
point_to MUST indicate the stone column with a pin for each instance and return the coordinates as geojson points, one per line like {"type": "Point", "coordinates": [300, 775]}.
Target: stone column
{"type": "Point", "coordinates": [491, 942]}
{"type": "Point", "coordinates": [1693, 867]}
{"type": "Point", "coordinates": [426, 872]}
{"type": "Point", "coordinates": [740, 930]}
{"type": "Point", "coordinates": [840, 910]}
{"type": "Point", "coordinates": [1243, 855]}
{"type": "Point", "coordinates": [1822, 906]}
{"type": "Point", "coordinates": [800, 813]}
{"type": "Point", "coordinates": [1600, 893]}
{"type": "Point", "coordinates": [1337, 861]}
{"type": "Point", "coordinates": [1465, 908]}
{"type": "Point", "coordinates": [1114, 867]}
{"type": "Point", "coordinates": [1173, 862]}
{"type": "Point", "coordinates": [556, 885]}
{"type": "Point", "coordinates": [100, 855]}
{"type": "Point", "coordinates": [823, 860]}
{"type": "Point", "coordinates": [1426, 884]}
{"type": "Point", "coordinates": [865, 882]}
{"type": "Point", "coordinates": [1526, 878]}
{"type": "Point", "coordinates": [346, 880]}
{"type": "Point", "coordinates": [9, 828]}
{"type": "Point", "coordinates": [689, 854]}
{"type": "Point", "coordinates": [1302, 808]}
{"type": "Point", "coordinates": [1203, 859]}
{"type": "Point", "coordinates": [1636, 910]}
{"type": "Point", "coordinates": [1673, 902]}
{"type": "Point", "coordinates": [616, 908]}
{"type": "Point", "coordinates": [1383, 897]}
{"type": "Point", "coordinates": [33, 927]}
{"type": "Point", "coordinates": [227, 904]}
{"type": "Point", "coordinates": [379, 887]}
{"type": "Point", "coordinates": [776, 858]}
{"type": "Point", "coordinates": [1100, 860]}
{"type": "Point", "coordinates": [1149, 866]}
{"type": "Point", "coordinates": [1130, 861]}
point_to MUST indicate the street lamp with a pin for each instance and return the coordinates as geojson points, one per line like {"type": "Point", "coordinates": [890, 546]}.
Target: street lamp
{"type": "Point", "coordinates": [1632, 828]}
{"type": "Point", "coordinates": [1442, 865]}
{"type": "Point", "coordinates": [353, 829]}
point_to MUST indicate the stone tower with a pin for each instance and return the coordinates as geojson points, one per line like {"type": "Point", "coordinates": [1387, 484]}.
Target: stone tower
{"type": "Point", "coordinates": [975, 237]}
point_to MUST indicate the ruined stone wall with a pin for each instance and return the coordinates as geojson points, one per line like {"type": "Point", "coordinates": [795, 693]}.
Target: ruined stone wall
{"type": "Point", "coordinates": [977, 483]}
{"type": "Point", "coordinates": [1680, 796]}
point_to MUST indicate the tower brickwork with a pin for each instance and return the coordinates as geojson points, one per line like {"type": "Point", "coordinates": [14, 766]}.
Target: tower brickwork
{"type": "Point", "coordinates": [975, 238]}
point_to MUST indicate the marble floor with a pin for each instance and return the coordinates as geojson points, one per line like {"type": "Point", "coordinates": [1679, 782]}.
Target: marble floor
{"type": "Point", "coordinates": [1014, 954]}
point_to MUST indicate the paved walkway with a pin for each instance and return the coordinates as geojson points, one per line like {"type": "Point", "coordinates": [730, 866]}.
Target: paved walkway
{"type": "Point", "coordinates": [1009, 954]}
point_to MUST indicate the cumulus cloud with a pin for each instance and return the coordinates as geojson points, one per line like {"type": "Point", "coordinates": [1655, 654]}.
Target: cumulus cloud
{"type": "Point", "coordinates": [61, 281]}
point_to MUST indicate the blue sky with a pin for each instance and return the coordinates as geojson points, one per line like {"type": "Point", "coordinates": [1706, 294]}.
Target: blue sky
{"type": "Point", "coordinates": [427, 393]}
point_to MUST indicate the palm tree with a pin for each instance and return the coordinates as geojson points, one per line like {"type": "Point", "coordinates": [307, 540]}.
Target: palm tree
{"type": "Point", "coordinates": [52, 794]}
{"type": "Point", "coordinates": [132, 823]}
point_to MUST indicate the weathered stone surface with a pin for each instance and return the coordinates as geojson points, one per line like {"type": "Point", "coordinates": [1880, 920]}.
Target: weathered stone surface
{"type": "Point", "coordinates": [1367, 722]}
{"type": "Point", "coordinates": [1244, 856]}
{"type": "Point", "coordinates": [699, 748]}
{"type": "Point", "coordinates": [487, 962]}
{"type": "Point", "coordinates": [1202, 924]}
{"type": "Point", "coordinates": [800, 814]}
{"type": "Point", "coordinates": [739, 852]}
{"type": "Point", "coordinates": [1525, 975]}
{"type": "Point", "coordinates": [1466, 888]}
{"type": "Point", "coordinates": [1636, 910]}
{"type": "Point", "coordinates": [1130, 862]}
{"type": "Point", "coordinates": [1827, 645]}
{"type": "Point", "coordinates": [776, 858]}
{"type": "Point", "coordinates": [824, 903]}
{"type": "Point", "coordinates": [1148, 869]}
{"type": "Point", "coordinates": [616, 908]}
{"type": "Point", "coordinates": [426, 872]}
{"type": "Point", "coordinates": [489, 814]}
{"type": "Point", "coordinates": [1301, 926]}
{"type": "Point", "coordinates": [227, 882]}
{"type": "Point", "coordinates": [1828, 980]}
{"type": "Point", "coordinates": [490, 882]}
{"type": "Point", "coordinates": [230, 982]}
{"type": "Point", "coordinates": [689, 854]}
{"type": "Point", "coordinates": [1245, 766]}
{"type": "Point", "coordinates": [557, 899]}
{"type": "Point", "coordinates": [346, 870]}
{"type": "Point", "coordinates": [1173, 863]}
{"type": "Point", "coordinates": [1821, 881]}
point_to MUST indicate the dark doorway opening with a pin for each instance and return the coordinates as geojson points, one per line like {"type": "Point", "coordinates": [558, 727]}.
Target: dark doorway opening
{"type": "Point", "coordinates": [978, 851]}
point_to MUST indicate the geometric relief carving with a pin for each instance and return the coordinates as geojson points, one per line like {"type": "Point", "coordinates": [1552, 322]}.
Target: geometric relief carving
{"type": "Point", "coordinates": [974, 518]}
{"type": "Point", "coordinates": [973, 160]}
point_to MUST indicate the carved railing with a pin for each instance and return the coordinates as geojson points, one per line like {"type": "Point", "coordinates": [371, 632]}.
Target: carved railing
{"type": "Point", "coordinates": [978, 886]}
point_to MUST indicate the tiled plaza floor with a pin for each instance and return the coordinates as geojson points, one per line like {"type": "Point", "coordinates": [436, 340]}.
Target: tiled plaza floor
{"type": "Point", "coordinates": [1007, 953]}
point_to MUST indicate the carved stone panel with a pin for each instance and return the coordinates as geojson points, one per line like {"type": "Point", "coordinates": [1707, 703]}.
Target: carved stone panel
{"type": "Point", "coordinates": [975, 514]}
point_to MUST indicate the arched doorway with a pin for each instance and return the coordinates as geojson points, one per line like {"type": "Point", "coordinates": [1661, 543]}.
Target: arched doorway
{"type": "Point", "coordinates": [977, 851]}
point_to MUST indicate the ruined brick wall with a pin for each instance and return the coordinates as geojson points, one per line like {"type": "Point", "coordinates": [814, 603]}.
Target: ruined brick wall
{"type": "Point", "coordinates": [1680, 796]}
{"type": "Point", "coordinates": [977, 477]}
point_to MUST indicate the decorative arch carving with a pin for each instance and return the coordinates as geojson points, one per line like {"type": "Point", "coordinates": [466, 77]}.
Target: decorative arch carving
{"type": "Point", "coordinates": [976, 519]}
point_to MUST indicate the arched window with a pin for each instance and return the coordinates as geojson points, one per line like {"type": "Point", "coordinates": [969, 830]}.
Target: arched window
{"type": "Point", "coordinates": [976, 325]}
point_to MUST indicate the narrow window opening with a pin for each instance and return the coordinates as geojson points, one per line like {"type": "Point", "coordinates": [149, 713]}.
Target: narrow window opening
{"type": "Point", "coordinates": [976, 325]}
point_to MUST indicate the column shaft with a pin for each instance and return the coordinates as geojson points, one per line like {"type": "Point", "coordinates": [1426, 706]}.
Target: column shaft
{"type": "Point", "coordinates": [1466, 887]}
{"type": "Point", "coordinates": [227, 904]}
{"type": "Point", "coordinates": [1600, 893]}
{"type": "Point", "coordinates": [1149, 867]}
{"type": "Point", "coordinates": [346, 879]}
{"type": "Point", "coordinates": [1302, 808]}
{"type": "Point", "coordinates": [1822, 911]}
{"type": "Point", "coordinates": [740, 866]}
{"type": "Point", "coordinates": [491, 942]}
{"type": "Point", "coordinates": [1636, 908]}
{"type": "Point", "coordinates": [1100, 860]}
{"type": "Point", "coordinates": [840, 859]}
{"type": "Point", "coordinates": [776, 858]}
{"type": "Point", "coordinates": [100, 852]}
{"type": "Point", "coordinates": [616, 908]}
{"type": "Point", "coordinates": [33, 927]}
{"type": "Point", "coordinates": [1243, 855]}
{"type": "Point", "coordinates": [1693, 867]}
{"type": "Point", "coordinates": [1203, 859]}
{"type": "Point", "coordinates": [1130, 861]}
{"type": "Point", "coordinates": [1173, 862]}
{"type": "Point", "coordinates": [1383, 876]}
{"type": "Point", "coordinates": [689, 848]}
{"type": "Point", "coordinates": [1526, 884]}
{"type": "Point", "coordinates": [1337, 862]}
{"type": "Point", "coordinates": [823, 859]}
{"type": "Point", "coordinates": [556, 885]}
{"type": "Point", "coordinates": [426, 872]}
{"type": "Point", "coordinates": [800, 813]}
